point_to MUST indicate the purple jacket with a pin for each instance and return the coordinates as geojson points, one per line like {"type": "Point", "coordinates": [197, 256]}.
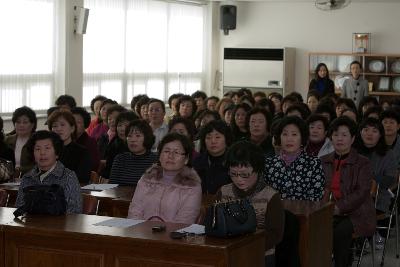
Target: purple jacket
{"type": "Point", "coordinates": [177, 202]}
{"type": "Point", "coordinates": [355, 184]}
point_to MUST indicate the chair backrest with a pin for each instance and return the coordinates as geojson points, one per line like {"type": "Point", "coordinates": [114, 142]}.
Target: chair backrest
{"type": "Point", "coordinates": [94, 177]}
{"type": "Point", "coordinates": [90, 204]}
{"type": "Point", "coordinates": [3, 198]}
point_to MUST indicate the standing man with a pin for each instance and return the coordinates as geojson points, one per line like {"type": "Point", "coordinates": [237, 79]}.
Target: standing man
{"type": "Point", "coordinates": [156, 110]}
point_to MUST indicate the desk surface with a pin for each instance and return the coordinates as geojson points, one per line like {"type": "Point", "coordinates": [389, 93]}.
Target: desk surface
{"type": "Point", "coordinates": [124, 193]}
{"type": "Point", "coordinates": [55, 240]}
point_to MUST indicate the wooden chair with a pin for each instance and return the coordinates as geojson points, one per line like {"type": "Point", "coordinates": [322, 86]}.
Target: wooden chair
{"type": "Point", "coordinates": [94, 177]}
{"type": "Point", "coordinates": [3, 198]}
{"type": "Point", "coordinates": [392, 215]}
{"type": "Point", "coordinates": [90, 204]}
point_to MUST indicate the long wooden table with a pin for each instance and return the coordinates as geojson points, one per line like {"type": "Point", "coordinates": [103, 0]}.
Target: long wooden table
{"type": "Point", "coordinates": [73, 240]}
{"type": "Point", "coordinates": [316, 231]}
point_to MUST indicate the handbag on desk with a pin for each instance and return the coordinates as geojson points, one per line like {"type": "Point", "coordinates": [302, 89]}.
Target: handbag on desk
{"type": "Point", "coordinates": [6, 170]}
{"type": "Point", "coordinates": [43, 199]}
{"type": "Point", "coordinates": [232, 218]}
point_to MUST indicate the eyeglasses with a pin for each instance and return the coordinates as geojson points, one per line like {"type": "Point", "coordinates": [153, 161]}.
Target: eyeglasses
{"type": "Point", "coordinates": [241, 175]}
{"type": "Point", "coordinates": [175, 153]}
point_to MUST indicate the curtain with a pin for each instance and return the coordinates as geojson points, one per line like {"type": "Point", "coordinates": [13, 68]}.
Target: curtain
{"type": "Point", "coordinates": [27, 49]}
{"type": "Point", "coordinates": [142, 47]}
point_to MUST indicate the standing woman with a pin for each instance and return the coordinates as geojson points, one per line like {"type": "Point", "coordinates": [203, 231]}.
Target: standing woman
{"type": "Point", "coordinates": [128, 167]}
{"type": "Point", "coordinates": [348, 183]}
{"type": "Point", "coordinates": [258, 123]}
{"type": "Point", "coordinates": [356, 87]}
{"type": "Point", "coordinates": [215, 138]}
{"type": "Point", "coordinates": [169, 191]}
{"type": "Point", "coordinates": [24, 120]}
{"type": "Point", "coordinates": [321, 82]}
{"type": "Point", "coordinates": [238, 122]}
{"type": "Point", "coordinates": [245, 162]}
{"type": "Point", "coordinates": [296, 175]}
{"type": "Point", "coordinates": [74, 157]}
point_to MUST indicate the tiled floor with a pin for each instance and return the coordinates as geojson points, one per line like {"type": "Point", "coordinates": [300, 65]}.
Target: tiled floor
{"type": "Point", "coordinates": [390, 257]}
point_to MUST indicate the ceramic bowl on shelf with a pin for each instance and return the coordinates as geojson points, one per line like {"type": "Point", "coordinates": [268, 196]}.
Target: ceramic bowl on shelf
{"type": "Point", "coordinates": [396, 66]}
{"type": "Point", "coordinates": [376, 66]}
{"type": "Point", "coordinates": [396, 84]}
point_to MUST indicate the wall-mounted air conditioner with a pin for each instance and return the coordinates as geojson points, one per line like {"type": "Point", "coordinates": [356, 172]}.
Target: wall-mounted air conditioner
{"type": "Point", "coordinates": [259, 69]}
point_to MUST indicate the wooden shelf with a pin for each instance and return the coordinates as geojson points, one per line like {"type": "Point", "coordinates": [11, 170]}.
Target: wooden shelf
{"type": "Point", "coordinates": [376, 93]}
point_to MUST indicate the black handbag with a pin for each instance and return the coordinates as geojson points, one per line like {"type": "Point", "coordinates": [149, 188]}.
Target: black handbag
{"type": "Point", "coordinates": [232, 218]}
{"type": "Point", "coordinates": [43, 199]}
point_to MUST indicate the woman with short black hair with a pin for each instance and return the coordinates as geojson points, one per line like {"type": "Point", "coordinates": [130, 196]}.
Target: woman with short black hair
{"type": "Point", "coordinates": [258, 123]}
{"type": "Point", "coordinates": [215, 138]}
{"type": "Point", "coordinates": [348, 183]}
{"type": "Point", "coordinates": [128, 167]}
{"type": "Point", "coordinates": [25, 121]}
{"type": "Point", "coordinates": [245, 162]}
{"type": "Point", "coordinates": [296, 175]}
{"type": "Point", "coordinates": [46, 148]}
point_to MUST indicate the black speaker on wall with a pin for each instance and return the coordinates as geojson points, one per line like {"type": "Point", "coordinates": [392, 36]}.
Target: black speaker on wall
{"type": "Point", "coordinates": [227, 18]}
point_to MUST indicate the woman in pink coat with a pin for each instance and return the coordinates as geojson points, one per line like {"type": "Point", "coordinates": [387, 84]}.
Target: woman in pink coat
{"type": "Point", "coordinates": [171, 190]}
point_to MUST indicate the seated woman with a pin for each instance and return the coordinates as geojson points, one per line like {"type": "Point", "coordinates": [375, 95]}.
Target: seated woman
{"type": "Point", "coordinates": [215, 138]}
{"type": "Point", "coordinates": [74, 157]}
{"type": "Point", "coordinates": [258, 122]}
{"type": "Point", "coordinates": [118, 143]}
{"type": "Point", "coordinates": [25, 121]}
{"type": "Point", "coordinates": [186, 127]}
{"type": "Point", "coordinates": [292, 172]}
{"type": "Point", "coordinates": [82, 119]}
{"type": "Point", "coordinates": [372, 145]}
{"type": "Point", "coordinates": [170, 191]}
{"type": "Point", "coordinates": [46, 147]}
{"type": "Point", "coordinates": [128, 167]}
{"type": "Point", "coordinates": [348, 182]}
{"type": "Point", "coordinates": [246, 165]}
{"type": "Point", "coordinates": [318, 143]}
{"type": "Point", "coordinates": [5, 151]}
{"type": "Point", "coordinates": [238, 122]}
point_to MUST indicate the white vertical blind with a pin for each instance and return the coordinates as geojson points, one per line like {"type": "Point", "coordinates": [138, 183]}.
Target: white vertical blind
{"type": "Point", "coordinates": [26, 53]}
{"type": "Point", "coordinates": [141, 46]}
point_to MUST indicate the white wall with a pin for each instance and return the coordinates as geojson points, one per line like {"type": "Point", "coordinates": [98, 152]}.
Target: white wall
{"type": "Point", "coordinates": [303, 26]}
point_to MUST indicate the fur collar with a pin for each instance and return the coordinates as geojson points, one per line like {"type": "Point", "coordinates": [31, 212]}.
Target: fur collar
{"type": "Point", "coordinates": [187, 177]}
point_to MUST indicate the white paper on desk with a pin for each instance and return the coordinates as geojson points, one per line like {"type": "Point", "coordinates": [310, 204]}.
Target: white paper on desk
{"type": "Point", "coordinates": [193, 229]}
{"type": "Point", "coordinates": [11, 184]}
{"type": "Point", "coordinates": [99, 187]}
{"type": "Point", "coordinates": [119, 222]}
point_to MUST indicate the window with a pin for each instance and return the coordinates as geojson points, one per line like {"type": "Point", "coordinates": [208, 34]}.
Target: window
{"type": "Point", "coordinates": [26, 54]}
{"type": "Point", "coordinates": [142, 47]}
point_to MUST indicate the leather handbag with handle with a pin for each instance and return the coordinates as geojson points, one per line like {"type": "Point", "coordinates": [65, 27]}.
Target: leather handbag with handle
{"type": "Point", "coordinates": [229, 219]}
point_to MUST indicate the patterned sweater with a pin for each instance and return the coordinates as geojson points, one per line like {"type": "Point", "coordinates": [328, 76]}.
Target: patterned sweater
{"type": "Point", "coordinates": [59, 175]}
{"type": "Point", "coordinates": [303, 179]}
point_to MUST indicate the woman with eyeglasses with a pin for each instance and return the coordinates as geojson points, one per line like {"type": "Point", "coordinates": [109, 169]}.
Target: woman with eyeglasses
{"type": "Point", "coordinates": [245, 162]}
{"type": "Point", "coordinates": [171, 190]}
{"type": "Point", "coordinates": [356, 87]}
{"type": "Point", "coordinates": [128, 167]}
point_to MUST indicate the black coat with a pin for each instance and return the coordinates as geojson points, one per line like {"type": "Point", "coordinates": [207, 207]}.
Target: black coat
{"type": "Point", "coordinates": [76, 158]}
{"type": "Point", "coordinates": [212, 172]}
{"type": "Point", "coordinates": [329, 87]}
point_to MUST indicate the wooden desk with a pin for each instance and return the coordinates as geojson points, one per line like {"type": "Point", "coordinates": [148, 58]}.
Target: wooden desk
{"type": "Point", "coordinates": [12, 191]}
{"type": "Point", "coordinates": [315, 244]}
{"type": "Point", "coordinates": [73, 240]}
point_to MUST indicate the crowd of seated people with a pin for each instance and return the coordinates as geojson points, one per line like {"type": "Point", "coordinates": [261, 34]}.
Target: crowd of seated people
{"type": "Point", "coordinates": [267, 148]}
